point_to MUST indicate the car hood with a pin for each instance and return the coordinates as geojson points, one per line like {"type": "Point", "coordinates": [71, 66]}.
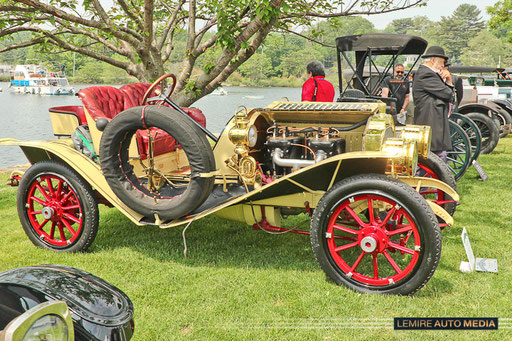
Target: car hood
{"type": "Point", "coordinates": [87, 296]}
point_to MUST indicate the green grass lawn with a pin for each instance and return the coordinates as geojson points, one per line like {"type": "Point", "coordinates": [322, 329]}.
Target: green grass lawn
{"type": "Point", "coordinates": [237, 283]}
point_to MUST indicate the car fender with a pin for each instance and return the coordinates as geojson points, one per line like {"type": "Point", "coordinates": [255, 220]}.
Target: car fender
{"type": "Point", "coordinates": [477, 107]}
{"type": "Point", "coordinates": [64, 150]}
{"type": "Point", "coordinates": [418, 182]}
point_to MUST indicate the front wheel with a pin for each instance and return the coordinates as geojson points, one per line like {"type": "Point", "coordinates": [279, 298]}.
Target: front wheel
{"type": "Point", "coordinates": [375, 234]}
{"type": "Point", "coordinates": [57, 208]}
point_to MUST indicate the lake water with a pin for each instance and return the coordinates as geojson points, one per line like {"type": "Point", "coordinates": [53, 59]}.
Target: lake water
{"type": "Point", "coordinates": [25, 117]}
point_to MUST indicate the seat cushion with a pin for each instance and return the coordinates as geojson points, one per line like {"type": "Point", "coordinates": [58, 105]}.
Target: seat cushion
{"type": "Point", "coordinates": [164, 142]}
{"type": "Point", "coordinates": [102, 101]}
{"type": "Point", "coordinates": [133, 94]}
{"type": "Point", "coordinates": [107, 101]}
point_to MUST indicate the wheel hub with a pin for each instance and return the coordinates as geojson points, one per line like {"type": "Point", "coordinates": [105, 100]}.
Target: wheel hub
{"type": "Point", "coordinates": [373, 239]}
{"type": "Point", "coordinates": [48, 212]}
{"type": "Point", "coordinates": [368, 244]}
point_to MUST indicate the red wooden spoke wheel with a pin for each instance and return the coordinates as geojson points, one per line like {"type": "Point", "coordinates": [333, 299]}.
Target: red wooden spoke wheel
{"type": "Point", "coordinates": [379, 235]}
{"type": "Point", "coordinates": [426, 192]}
{"type": "Point", "coordinates": [54, 210]}
{"type": "Point", "coordinates": [433, 167]}
{"type": "Point", "coordinates": [375, 234]}
{"type": "Point", "coordinates": [57, 208]}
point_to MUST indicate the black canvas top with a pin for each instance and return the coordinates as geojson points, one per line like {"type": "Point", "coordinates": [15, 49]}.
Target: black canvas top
{"type": "Point", "coordinates": [383, 43]}
{"type": "Point", "coordinates": [474, 69]}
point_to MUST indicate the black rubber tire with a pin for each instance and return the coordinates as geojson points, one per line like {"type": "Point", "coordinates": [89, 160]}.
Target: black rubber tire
{"type": "Point", "coordinates": [459, 158]}
{"type": "Point", "coordinates": [125, 184]}
{"type": "Point", "coordinates": [444, 174]}
{"type": "Point", "coordinates": [489, 131]}
{"type": "Point", "coordinates": [409, 200]}
{"type": "Point", "coordinates": [505, 119]}
{"type": "Point", "coordinates": [84, 194]}
{"type": "Point", "coordinates": [471, 129]}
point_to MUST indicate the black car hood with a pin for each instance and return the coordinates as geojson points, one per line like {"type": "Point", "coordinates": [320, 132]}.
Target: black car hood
{"type": "Point", "coordinates": [87, 296]}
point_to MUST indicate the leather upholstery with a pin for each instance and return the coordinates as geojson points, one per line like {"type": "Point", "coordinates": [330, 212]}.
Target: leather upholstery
{"type": "Point", "coordinates": [102, 101]}
{"type": "Point", "coordinates": [133, 94]}
{"type": "Point", "coordinates": [107, 101]}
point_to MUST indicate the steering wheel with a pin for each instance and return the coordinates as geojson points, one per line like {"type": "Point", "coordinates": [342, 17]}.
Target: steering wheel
{"type": "Point", "coordinates": [154, 85]}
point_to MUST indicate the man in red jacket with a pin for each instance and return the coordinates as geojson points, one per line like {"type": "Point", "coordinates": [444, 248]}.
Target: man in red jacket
{"type": "Point", "coordinates": [316, 88]}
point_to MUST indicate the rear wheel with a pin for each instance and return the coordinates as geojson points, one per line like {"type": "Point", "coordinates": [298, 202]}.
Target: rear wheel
{"type": "Point", "coordinates": [374, 234]}
{"type": "Point", "coordinates": [57, 208]}
{"type": "Point", "coordinates": [435, 168]}
{"type": "Point", "coordinates": [459, 158]}
{"type": "Point", "coordinates": [489, 131]}
{"type": "Point", "coordinates": [505, 121]}
{"type": "Point", "coordinates": [471, 129]}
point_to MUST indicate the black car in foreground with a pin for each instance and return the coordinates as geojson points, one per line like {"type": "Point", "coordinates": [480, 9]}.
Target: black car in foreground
{"type": "Point", "coordinates": [31, 306]}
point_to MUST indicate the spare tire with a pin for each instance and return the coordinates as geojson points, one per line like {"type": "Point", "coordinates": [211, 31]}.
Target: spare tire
{"type": "Point", "coordinates": [168, 202]}
{"type": "Point", "coordinates": [488, 129]}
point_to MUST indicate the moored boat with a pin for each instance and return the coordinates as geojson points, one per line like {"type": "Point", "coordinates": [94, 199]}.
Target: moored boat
{"type": "Point", "coordinates": [36, 79]}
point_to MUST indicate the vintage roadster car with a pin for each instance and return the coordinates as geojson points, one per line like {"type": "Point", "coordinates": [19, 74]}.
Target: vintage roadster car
{"type": "Point", "coordinates": [56, 302]}
{"type": "Point", "coordinates": [344, 166]}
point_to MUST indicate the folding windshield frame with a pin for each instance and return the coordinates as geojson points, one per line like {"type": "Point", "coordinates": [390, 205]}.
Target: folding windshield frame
{"type": "Point", "coordinates": [358, 72]}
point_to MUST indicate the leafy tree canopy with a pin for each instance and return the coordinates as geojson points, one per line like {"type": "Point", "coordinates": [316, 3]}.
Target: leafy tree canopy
{"type": "Point", "coordinates": [456, 30]}
{"type": "Point", "coordinates": [501, 18]}
{"type": "Point", "coordinates": [139, 36]}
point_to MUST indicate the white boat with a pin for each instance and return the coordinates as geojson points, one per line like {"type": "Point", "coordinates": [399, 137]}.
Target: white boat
{"type": "Point", "coordinates": [220, 92]}
{"type": "Point", "coordinates": [36, 79]}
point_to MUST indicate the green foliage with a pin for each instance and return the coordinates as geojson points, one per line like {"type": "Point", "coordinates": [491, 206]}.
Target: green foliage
{"type": "Point", "coordinates": [501, 18]}
{"type": "Point", "coordinates": [258, 67]}
{"type": "Point", "coordinates": [90, 73]}
{"type": "Point", "coordinates": [456, 30]}
{"type": "Point", "coordinates": [487, 49]}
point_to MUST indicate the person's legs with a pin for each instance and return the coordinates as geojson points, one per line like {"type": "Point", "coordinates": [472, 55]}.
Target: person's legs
{"type": "Point", "coordinates": [442, 154]}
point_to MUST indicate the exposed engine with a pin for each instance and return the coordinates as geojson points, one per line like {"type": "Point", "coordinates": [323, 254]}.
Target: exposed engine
{"type": "Point", "coordinates": [288, 149]}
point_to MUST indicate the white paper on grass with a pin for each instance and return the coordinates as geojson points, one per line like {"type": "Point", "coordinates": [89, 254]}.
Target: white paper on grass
{"type": "Point", "coordinates": [478, 264]}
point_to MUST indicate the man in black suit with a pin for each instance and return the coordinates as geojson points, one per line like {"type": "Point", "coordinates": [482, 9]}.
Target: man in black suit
{"type": "Point", "coordinates": [433, 93]}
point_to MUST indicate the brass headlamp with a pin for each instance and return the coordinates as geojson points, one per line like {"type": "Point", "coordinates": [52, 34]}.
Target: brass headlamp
{"type": "Point", "coordinates": [421, 135]}
{"type": "Point", "coordinates": [243, 136]}
{"type": "Point", "coordinates": [403, 156]}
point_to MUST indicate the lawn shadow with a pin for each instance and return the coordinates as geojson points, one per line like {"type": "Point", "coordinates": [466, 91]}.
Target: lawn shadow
{"type": "Point", "coordinates": [211, 241]}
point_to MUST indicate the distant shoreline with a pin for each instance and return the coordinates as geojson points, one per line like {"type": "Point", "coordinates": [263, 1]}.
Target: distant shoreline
{"type": "Point", "coordinates": [22, 168]}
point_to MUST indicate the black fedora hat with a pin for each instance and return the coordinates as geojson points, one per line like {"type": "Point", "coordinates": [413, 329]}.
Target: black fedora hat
{"type": "Point", "coordinates": [435, 51]}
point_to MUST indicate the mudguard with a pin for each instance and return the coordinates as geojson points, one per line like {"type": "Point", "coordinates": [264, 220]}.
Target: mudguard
{"type": "Point", "coordinates": [64, 150]}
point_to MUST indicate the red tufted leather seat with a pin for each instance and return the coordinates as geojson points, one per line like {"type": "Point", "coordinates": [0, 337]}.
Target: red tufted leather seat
{"type": "Point", "coordinates": [107, 102]}
{"type": "Point", "coordinates": [135, 92]}
{"type": "Point", "coordinates": [102, 101]}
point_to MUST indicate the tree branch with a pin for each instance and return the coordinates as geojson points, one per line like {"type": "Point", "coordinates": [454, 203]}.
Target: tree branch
{"type": "Point", "coordinates": [17, 9]}
{"type": "Point", "coordinates": [119, 32]}
{"type": "Point", "coordinates": [24, 44]}
{"type": "Point", "coordinates": [130, 14]}
{"type": "Point", "coordinates": [97, 38]}
{"type": "Point", "coordinates": [148, 24]}
{"type": "Point", "coordinates": [308, 38]}
{"type": "Point", "coordinates": [170, 23]}
{"type": "Point", "coordinates": [348, 12]}
{"type": "Point", "coordinates": [65, 45]}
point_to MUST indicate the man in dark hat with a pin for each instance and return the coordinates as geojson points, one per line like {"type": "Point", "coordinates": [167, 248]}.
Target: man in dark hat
{"type": "Point", "coordinates": [432, 92]}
